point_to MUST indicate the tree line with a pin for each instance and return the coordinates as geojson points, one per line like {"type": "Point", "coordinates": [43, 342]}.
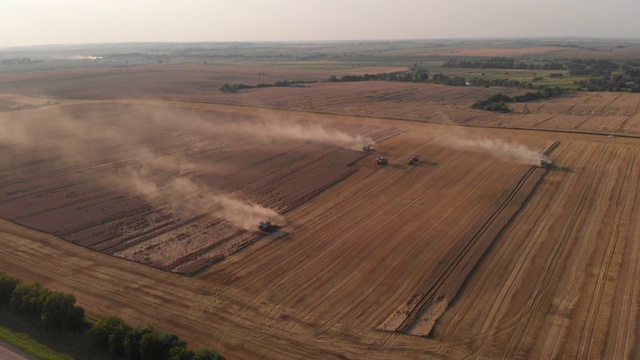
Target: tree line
{"type": "Point", "coordinates": [498, 102]}
{"type": "Point", "coordinates": [58, 311]}
{"type": "Point", "coordinates": [502, 62]}
{"type": "Point", "coordinates": [230, 89]}
{"type": "Point", "coordinates": [605, 75]}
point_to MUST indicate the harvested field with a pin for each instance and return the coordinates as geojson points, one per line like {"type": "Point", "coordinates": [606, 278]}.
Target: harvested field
{"type": "Point", "coordinates": [562, 285]}
{"type": "Point", "coordinates": [554, 274]}
{"type": "Point", "coordinates": [357, 251]}
{"type": "Point", "coordinates": [419, 314]}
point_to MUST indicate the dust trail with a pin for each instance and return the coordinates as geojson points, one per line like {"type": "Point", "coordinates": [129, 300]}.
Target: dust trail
{"type": "Point", "coordinates": [269, 130]}
{"type": "Point", "coordinates": [190, 198]}
{"type": "Point", "coordinates": [277, 130]}
{"type": "Point", "coordinates": [456, 137]}
{"type": "Point", "coordinates": [163, 179]}
{"type": "Point", "coordinates": [80, 57]}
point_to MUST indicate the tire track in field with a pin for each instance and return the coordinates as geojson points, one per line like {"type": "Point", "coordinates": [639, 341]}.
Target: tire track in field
{"type": "Point", "coordinates": [365, 236]}
{"type": "Point", "coordinates": [624, 328]}
{"type": "Point", "coordinates": [567, 299]}
{"type": "Point", "coordinates": [606, 273]}
{"type": "Point", "coordinates": [342, 257]}
{"type": "Point", "coordinates": [433, 297]}
{"type": "Point", "coordinates": [499, 303]}
{"type": "Point", "coordinates": [504, 271]}
{"type": "Point", "coordinates": [367, 260]}
{"type": "Point", "coordinates": [528, 312]}
{"type": "Point", "coordinates": [624, 123]}
{"type": "Point", "coordinates": [537, 124]}
{"type": "Point", "coordinates": [309, 253]}
{"type": "Point", "coordinates": [583, 122]}
{"type": "Point", "coordinates": [520, 269]}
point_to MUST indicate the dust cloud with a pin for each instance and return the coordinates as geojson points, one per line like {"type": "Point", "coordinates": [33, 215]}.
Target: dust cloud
{"type": "Point", "coordinates": [186, 196]}
{"type": "Point", "coordinates": [507, 151]}
{"type": "Point", "coordinates": [272, 130]}
{"type": "Point", "coordinates": [455, 137]}
{"type": "Point", "coordinates": [314, 133]}
{"type": "Point", "coordinates": [82, 57]}
{"type": "Point", "coordinates": [163, 179]}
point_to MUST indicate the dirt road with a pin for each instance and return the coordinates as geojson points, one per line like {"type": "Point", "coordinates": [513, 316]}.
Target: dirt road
{"type": "Point", "coordinates": [8, 352]}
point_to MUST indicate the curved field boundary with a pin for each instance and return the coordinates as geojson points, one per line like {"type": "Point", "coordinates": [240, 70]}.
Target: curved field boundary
{"type": "Point", "coordinates": [418, 315]}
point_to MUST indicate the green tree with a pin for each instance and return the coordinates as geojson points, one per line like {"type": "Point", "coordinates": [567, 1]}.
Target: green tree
{"type": "Point", "coordinates": [170, 341]}
{"type": "Point", "coordinates": [59, 311]}
{"type": "Point", "coordinates": [207, 354]}
{"type": "Point", "coordinates": [7, 286]}
{"type": "Point", "coordinates": [29, 298]}
{"type": "Point", "coordinates": [109, 333]}
{"type": "Point", "coordinates": [181, 353]}
{"type": "Point", "coordinates": [151, 347]}
{"type": "Point", "coordinates": [226, 88]}
{"type": "Point", "coordinates": [132, 341]}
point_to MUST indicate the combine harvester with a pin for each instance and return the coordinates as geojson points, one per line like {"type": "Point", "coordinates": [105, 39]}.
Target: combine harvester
{"type": "Point", "coordinates": [413, 160]}
{"type": "Point", "coordinates": [264, 225]}
{"type": "Point", "coordinates": [382, 161]}
{"type": "Point", "coordinates": [545, 163]}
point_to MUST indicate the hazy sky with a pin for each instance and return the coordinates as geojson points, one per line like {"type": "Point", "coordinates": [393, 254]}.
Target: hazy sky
{"type": "Point", "coordinates": [31, 22]}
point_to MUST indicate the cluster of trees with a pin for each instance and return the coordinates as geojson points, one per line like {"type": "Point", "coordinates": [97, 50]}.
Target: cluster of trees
{"type": "Point", "coordinates": [230, 89]}
{"type": "Point", "coordinates": [58, 312]}
{"type": "Point", "coordinates": [19, 61]}
{"type": "Point", "coordinates": [592, 67]}
{"type": "Point", "coordinates": [627, 79]}
{"type": "Point", "coordinates": [120, 340]}
{"type": "Point", "coordinates": [616, 82]}
{"type": "Point", "coordinates": [416, 73]}
{"type": "Point", "coordinates": [605, 75]}
{"type": "Point", "coordinates": [462, 81]}
{"type": "Point", "coordinates": [498, 102]}
{"type": "Point", "coordinates": [502, 62]}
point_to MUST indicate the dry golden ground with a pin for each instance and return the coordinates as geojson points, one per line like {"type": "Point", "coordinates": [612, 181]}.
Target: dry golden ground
{"type": "Point", "coordinates": [561, 280]}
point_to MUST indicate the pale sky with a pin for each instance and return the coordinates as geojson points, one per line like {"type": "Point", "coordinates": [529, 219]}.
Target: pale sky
{"type": "Point", "coordinates": [35, 22]}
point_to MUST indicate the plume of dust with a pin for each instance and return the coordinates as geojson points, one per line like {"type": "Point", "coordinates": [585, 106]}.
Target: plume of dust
{"type": "Point", "coordinates": [456, 138]}
{"type": "Point", "coordinates": [311, 133]}
{"type": "Point", "coordinates": [161, 178]}
{"type": "Point", "coordinates": [273, 130]}
{"type": "Point", "coordinates": [82, 57]}
{"type": "Point", "coordinates": [186, 196]}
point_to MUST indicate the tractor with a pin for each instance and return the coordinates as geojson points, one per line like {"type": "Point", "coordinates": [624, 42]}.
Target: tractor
{"type": "Point", "coordinates": [413, 160]}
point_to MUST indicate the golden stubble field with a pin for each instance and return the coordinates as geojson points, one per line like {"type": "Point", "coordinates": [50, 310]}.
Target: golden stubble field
{"type": "Point", "coordinates": [558, 280]}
